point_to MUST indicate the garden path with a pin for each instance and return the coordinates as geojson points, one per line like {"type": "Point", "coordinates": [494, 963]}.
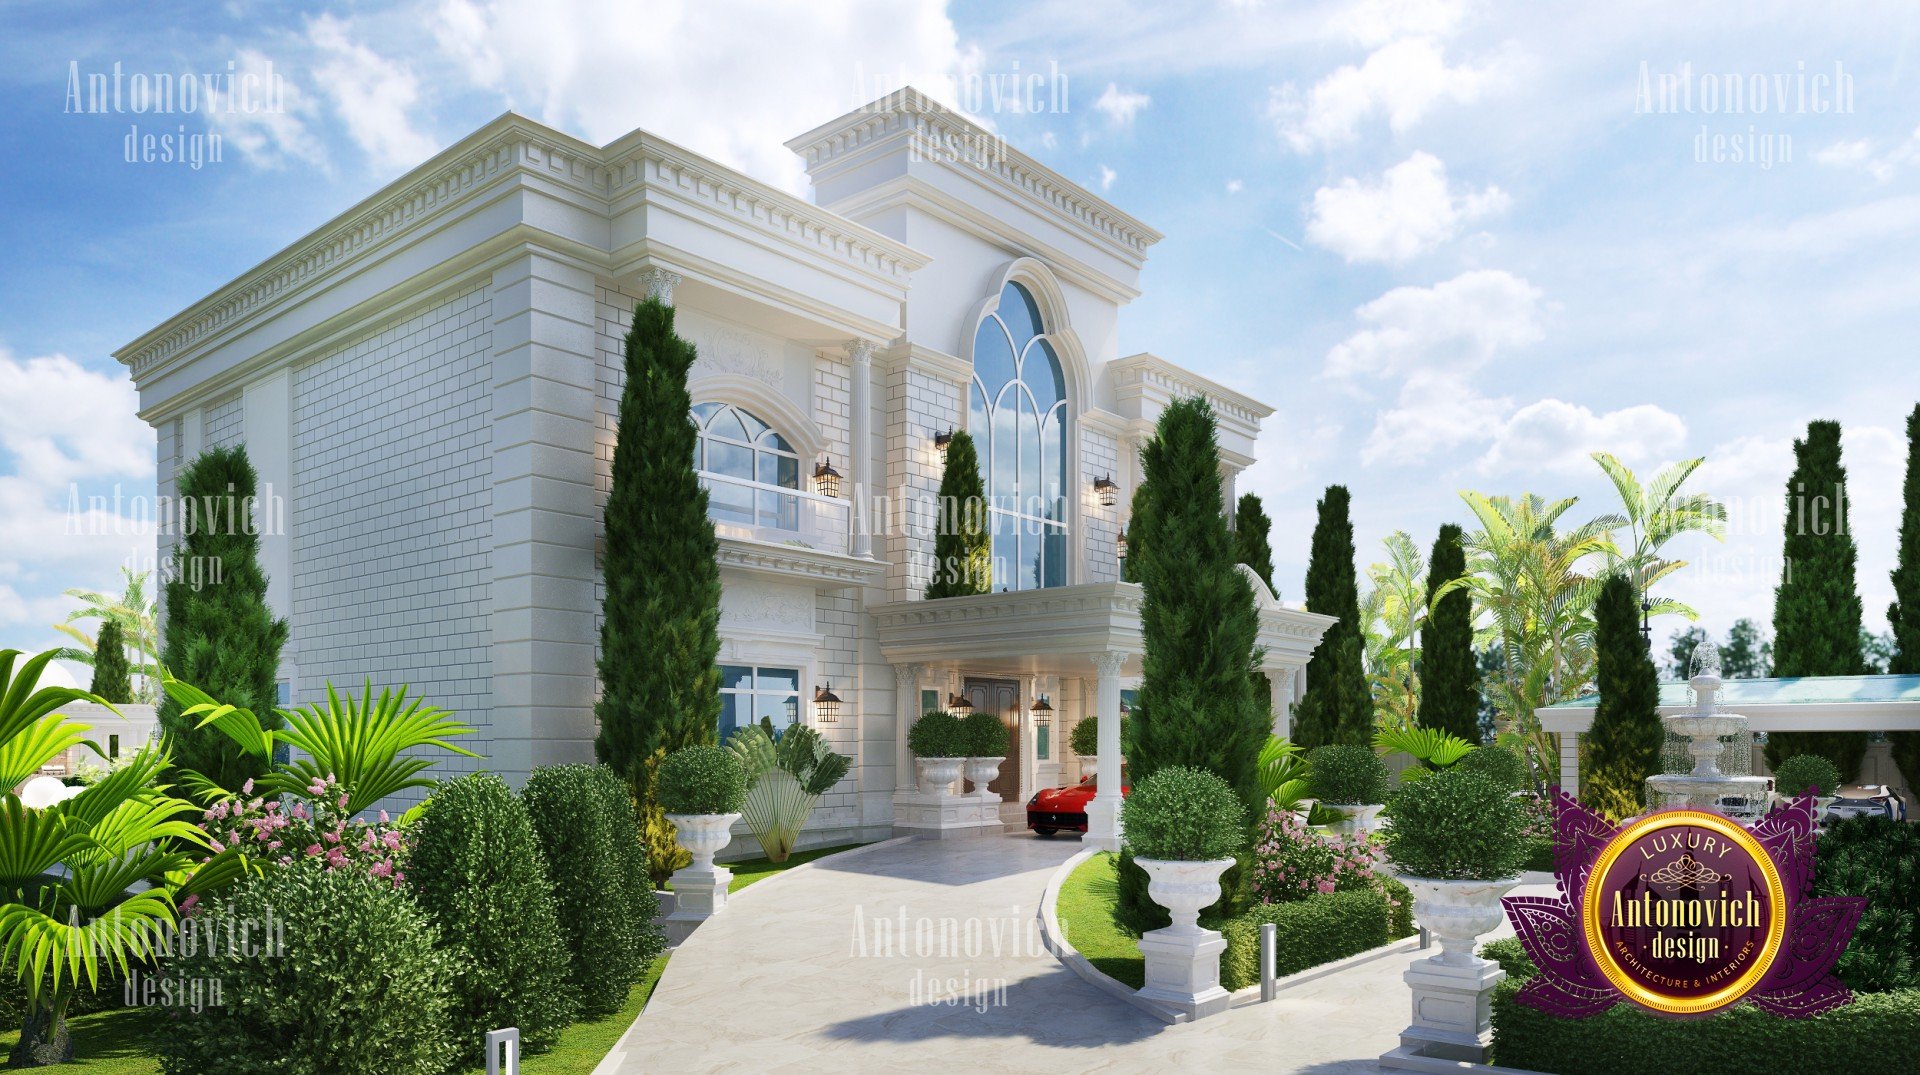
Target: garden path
{"type": "Point", "coordinates": [920, 954]}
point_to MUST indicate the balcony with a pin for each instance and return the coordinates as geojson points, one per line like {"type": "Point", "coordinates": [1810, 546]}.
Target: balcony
{"type": "Point", "coordinates": [786, 534]}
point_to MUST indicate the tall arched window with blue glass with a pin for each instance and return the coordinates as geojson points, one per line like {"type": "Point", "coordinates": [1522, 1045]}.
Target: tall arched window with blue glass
{"type": "Point", "coordinates": [1018, 416]}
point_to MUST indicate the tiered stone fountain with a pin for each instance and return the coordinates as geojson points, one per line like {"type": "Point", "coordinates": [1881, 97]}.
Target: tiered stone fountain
{"type": "Point", "coordinates": [1703, 727]}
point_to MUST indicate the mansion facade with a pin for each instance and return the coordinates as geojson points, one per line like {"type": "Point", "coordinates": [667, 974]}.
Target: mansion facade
{"type": "Point", "coordinates": [428, 387]}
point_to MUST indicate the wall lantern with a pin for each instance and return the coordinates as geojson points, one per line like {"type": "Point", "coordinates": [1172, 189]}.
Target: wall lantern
{"type": "Point", "coordinates": [1120, 544]}
{"type": "Point", "coordinates": [1041, 709]}
{"type": "Point", "coordinates": [958, 705]}
{"type": "Point", "coordinates": [1108, 492]}
{"type": "Point", "coordinates": [826, 479]}
{"type": "Point", "coordinates": [826, 705]}
{"type": "Point", "coordinates": [941, 440]}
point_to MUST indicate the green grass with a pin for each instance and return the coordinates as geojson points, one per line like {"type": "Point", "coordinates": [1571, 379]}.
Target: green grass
{"type": "Point", "coordinates": [1085, 912]}
{"type": "Point", "coordinates": [751, 870]}
{"type": "Point", "coordinates": [584, 1044]}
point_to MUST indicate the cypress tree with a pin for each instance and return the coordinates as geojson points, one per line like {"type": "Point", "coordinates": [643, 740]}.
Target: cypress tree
{"type": "Point", "coordinates": [1196, 705]}
{"type": "Point", "coordinates": [1903, 616]}
{"type": "Point", "coordinates": [1816, 608]}
{"type": "Point", "coordinates": [1449, 673]}
{"type": "Point", "coordinates": [962, 554]}
{"type": "Point", "coordinates": [1139, 512]}
{"type": "Point", "coordinates": [112, 675]}
{"type": "Point", "coordinates": [1251, 529]}
{"type": "Point", "coordinates": [1622, 748]}
{"type": "Point", "coordinates": [219, 635]}
{"type": "Point", "coordinates": [659, 634]}
{"type": "Point", "coordinates": [1337, 706]}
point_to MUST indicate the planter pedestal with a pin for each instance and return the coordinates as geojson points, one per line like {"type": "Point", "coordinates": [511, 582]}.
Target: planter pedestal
{"type": "Point", "coordinates": [1453, 989]}
{"type": "Point", "coordinates": [700, 888]}
{"type": "Point", "coordinates": [933, 810]}
{"type": "Point", "coordinates": [1183, 960]}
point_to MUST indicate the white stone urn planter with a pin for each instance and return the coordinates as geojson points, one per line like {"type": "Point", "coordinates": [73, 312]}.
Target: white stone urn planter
{"type": "Point", "coordinates": [938, 774]}
{"type": "Point", "coordinates": [1453, 989]}
{"type": "Point", "coordinates": [1183, 960]}
{"type": "Point", "coordinates": [983, 771]}
{"type": "Point", "coordinates": [700, 888]}
{"type": "Point", "coordinates": [1356, 817]}
{"type": "Point", "coordinates": [1089, 765]}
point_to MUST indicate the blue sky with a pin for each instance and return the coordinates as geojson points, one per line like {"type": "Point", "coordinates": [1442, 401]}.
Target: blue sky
{"type": "Point", "coordinates": [1454, 243]}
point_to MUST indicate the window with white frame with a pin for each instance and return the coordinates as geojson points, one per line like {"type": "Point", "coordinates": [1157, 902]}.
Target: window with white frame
{"type": "Point", "coordinates": [750, 692]}
{"type": "Point", "coordinates": [751, 472]}
{"type": "Point", "coordinates": [1017, 413]}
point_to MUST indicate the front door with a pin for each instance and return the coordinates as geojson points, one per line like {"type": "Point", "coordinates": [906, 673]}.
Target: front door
{"type": "Point", "coordinates": [1001, 697]}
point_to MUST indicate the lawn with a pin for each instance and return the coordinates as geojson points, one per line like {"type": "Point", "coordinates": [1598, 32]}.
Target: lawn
{"type": "Point", "coordinates": [751, 870]}
{"type": "Point", "coordinates": [1085, 913]}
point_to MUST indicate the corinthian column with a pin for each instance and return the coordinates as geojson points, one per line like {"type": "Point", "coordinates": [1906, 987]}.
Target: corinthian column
{"type": "Point", "coordinates": [860, 434]}
{"type": "Point", "coordinates": [1103, 813]}
{"type": "Point", "coordinates": [906, 700]}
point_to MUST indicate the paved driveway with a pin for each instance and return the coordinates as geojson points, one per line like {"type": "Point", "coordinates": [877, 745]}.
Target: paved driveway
{"type": "Point", "coordinates": [924, 955]}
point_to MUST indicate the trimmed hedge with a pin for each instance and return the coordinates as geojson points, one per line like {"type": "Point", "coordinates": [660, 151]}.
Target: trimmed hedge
{"type": "Point", "coordinates": [1400, 921]}
{"type": "Point", "coordinates": [1871, 1034]}
{"type": "Point", "coordinates": [1316, 930]}
{"type": "Point", "coordinates": [584, 820]}
{"type": "Point", "coordinates": [361, 988]}
{"type": "Point", "coordinates": [1878, 858]}
{"type": "Point", "coordinates": [479, 875]}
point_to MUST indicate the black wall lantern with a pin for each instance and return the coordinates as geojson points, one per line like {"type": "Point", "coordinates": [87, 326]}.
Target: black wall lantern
{"type": "Point", "coordinates": [1108, 492]}
{"type": "Point", "coordinates": [826, 705]}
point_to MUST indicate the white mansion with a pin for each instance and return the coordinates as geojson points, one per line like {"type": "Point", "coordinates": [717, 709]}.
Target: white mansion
{"type": "Point", "coordinates": [429, 382]}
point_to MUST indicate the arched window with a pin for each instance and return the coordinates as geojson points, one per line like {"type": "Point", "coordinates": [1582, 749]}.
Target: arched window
{"type": "Point", "coordinates": [1018, 416]}
{"type": "Point", "coordinates": [750, 471]}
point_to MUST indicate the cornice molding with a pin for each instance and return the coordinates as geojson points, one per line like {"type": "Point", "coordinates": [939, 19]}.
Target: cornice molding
{"type": "Point", "coordinates": [906, 355]}
{"type": "Point", "coordinates": [825, 570]}
{"type": "Point", "coordinates": [1150, 376]}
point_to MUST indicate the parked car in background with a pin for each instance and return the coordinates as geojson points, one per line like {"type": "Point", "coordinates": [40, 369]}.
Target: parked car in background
{"type": "Point", "coordinates": [1054, 810]}
{"type": "Point", "coordinates": [1865, 800]}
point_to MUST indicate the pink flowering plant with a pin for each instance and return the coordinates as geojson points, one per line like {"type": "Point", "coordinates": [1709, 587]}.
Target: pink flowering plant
{"type": "Point", "coordinates": [1293, 862]}
{"type": "Point", "coordinates": [316, 826]}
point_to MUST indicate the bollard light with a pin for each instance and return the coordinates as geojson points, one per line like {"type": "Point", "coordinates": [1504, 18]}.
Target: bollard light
{"type": "Point", "coordinates": [503, 1041]}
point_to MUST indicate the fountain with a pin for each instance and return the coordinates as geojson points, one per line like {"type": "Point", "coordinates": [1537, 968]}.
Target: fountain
{"type": "Point", "coordinates": [1703, 727]}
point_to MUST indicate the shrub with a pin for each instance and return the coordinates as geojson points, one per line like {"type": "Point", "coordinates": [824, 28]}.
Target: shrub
{"type": "Point", "coordinates": [1310, 932]}
{"type": "Point", "coordinates": [1512, 957]}
{"type": "Point", "coordinates": [1183, 814]}
{"type": "Point", "coordinates": [1346, 774]}
{"type": "Point", "coordinates": [1399, 907]}
{"type": "Point", "coordinates": [1498, 764]}
{"type": "Point", "coordinates": [1455, 825]}
{"type": "Point", "coordinates": [362, 986]}
{"type": "Point", "coordinates": [584, 820]}
{"type": "Point", "coordinates": [1292, 862]}
{"type": "Point", "coordinates": [478, 874]}
{"type": "Point", "coordinates": [1802, 771]}
{"type": "Point", "coordinates": [985, 736]}
{"type": "Point", "coordinates": [1084, 740]}
{"type": "Point", "coordinates": [938, 734]}
{"type": "Point", "coordinates": [1878, 858]}
{"type": "Point", "coordinates": [1864, 1035]}
{"type": "Point", "coordinates": [702, 780]}
{"type": "Point", "coordinates": [276, 832]}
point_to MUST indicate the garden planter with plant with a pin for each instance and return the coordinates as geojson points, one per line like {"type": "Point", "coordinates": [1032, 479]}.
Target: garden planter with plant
{"type": "Point", "coordinates": [938, 741]}
{"type": "Point", "coordinates": [1084, 741]}
{"type": "Point", "coordinates": [985, 739]}
{"type": "Point", "coordinates": [1455, 843]}
{"type": "Point", "coordinates": [1184, 827]}
{"type": "Point", "coordinates": [702, 789]}
{"type": "Point", "coordinates": [1351, 781]}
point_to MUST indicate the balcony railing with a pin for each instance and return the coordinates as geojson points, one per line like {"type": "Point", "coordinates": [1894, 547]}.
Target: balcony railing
{"type": "Point", "coordinates": [776, 515]}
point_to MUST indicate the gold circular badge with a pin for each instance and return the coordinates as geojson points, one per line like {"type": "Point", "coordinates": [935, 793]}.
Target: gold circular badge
{"type": "Point", "coordinates": [1684, 912]}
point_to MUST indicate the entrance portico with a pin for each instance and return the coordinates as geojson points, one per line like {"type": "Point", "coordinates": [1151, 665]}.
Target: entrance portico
{"type": "Point", "coordinates": [1080, 646]}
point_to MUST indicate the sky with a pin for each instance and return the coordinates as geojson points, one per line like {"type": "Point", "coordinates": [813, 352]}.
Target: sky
{"type": "Point", "coordinates": [1457, 245]}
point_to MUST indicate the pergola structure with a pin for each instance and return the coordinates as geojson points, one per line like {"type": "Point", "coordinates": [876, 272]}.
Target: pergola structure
{"type": "Point", "coordinates": [1798, 704]}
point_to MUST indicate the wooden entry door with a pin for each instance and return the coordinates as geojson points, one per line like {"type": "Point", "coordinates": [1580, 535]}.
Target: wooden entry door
{"type": "Point", "coordinates": [1001, 697]}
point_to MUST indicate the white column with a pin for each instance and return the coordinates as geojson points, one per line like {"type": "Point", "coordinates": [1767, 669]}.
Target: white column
{"type": "Point", "coordinates": [906, 705]}
{"type": "Point", "coordinates": [860, 436]}
{"type": "Point", "coordinates": [1280, 698]}
{"type": "Point", "coordinates": [1570, 763]}
{"type": "Point", "coordinates": [1103, 813]}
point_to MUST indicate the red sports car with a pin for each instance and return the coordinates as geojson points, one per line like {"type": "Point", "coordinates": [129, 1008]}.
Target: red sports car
{"type": "Point", "coordinates": [1055, 809]}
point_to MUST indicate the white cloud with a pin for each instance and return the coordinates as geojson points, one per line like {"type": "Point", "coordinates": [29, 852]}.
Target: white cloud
{"type": "Point", "coordinates": [43, 398]}
{"type": "Point", "coordinates": [1436, 411]}
{"type": "Point", "coordinates": [1866, 155]}
{"type": "Point", "coordinates": [685, 70]}
{"type": "Point", "coordinates": [1458, 324]}
{"type": "Point", "coordinates": [1403, 81]}
{"type": "Point", "coordinates": [372, 94]}
{"type": "Point", "coordinates": [1552, 434]}
{"type": "Point", "coordinates": [1234, 186]}
{"type": "Point", "coordinates": [1107, 176]}
{"type": "Point", "coordinates": [1376, 22]}
{"type": "Point", "coordinates": [1410, 210]}
{"type": "Point", "coordinates": [270, 137]}
{"type": "Point", "coordinates": [1121, 106]}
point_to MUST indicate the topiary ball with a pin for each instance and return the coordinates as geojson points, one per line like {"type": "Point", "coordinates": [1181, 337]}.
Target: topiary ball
{"type": "Point", "coordinates": [1455, 826]}
{"type": "Point", "coordinates": [1182, 814]}
{"type": "Point", "coordinates": [985, 735]}
{"type": "Point", "coordinates": [701, 780]}
{"type": "Point", "coordinates": [1803, 771]}
{"type": "Point", "coordinates": [1346, 775]}
{"type": "Point", "coordinates": [1498, 764]}
{"type": "Point", "coordinates": [938, 734]}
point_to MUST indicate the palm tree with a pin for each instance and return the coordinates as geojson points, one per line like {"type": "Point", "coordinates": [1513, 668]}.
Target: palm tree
{"type": "Point", "coordinates": [72, 900]}
{"type": "Point", "coordinates": [1656, 513]}
{"type": "Point", "coordinates": [138, 617]}
{"type": "Point", "coordinates": [1534, 602]}
{"type": "Point", "coordinates": [1390, 616]}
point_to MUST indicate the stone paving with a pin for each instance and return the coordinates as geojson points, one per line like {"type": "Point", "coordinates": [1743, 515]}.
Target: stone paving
{"type": "Point", "coordinates": [924, 954]}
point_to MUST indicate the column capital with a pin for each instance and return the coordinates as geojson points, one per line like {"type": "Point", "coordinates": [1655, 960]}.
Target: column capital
{"type": "Point", "coordinates": [1109, 663]}
{"type": "Point", "coordinates": [908, 675]}
{"type": "Point", "coordinates": [859, 352]}
{"type": "Point", "coordinates": [659, 283]}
